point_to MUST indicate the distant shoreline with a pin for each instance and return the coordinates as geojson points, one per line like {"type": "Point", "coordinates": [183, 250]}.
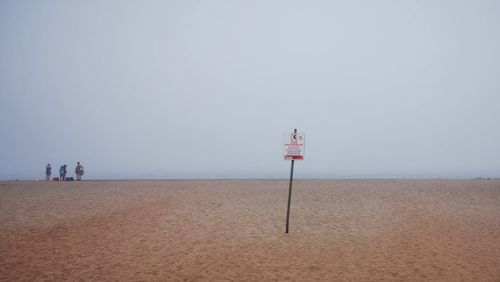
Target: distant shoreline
{"type": "Point", "coordinates": [259, 179]}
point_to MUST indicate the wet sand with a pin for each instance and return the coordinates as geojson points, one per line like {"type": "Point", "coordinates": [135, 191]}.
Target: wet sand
{"type": "Point", "coordinates": [340, 230]}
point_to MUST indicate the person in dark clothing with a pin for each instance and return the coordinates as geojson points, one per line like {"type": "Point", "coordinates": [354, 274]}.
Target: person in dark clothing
{"type": "Point", "coordinates": [48, 172]}
{"type": "Point", "coordinates": [62, 172]}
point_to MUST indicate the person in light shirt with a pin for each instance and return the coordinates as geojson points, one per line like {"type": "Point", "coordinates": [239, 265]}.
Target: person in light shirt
{"type": "Point", "coordinates": [79, 171]}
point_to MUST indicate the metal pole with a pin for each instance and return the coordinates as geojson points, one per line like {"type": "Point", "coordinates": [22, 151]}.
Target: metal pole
{"type": "Point", "coordinates": [289, 193]}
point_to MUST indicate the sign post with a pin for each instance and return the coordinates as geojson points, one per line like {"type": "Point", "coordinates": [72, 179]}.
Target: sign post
{"type": "Point", "coordinates": [294, 150]}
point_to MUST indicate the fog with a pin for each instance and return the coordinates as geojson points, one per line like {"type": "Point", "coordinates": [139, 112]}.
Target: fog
{"type": "Point", "coordinates": [206, 89]}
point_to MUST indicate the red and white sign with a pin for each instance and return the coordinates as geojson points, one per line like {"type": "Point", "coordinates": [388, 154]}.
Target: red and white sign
{"type": "Point", "coordinates": [294, 146]}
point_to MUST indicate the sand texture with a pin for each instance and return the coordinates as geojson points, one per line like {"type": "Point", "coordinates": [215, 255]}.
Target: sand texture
{"type": "Point", "coordinates": [216, 230]}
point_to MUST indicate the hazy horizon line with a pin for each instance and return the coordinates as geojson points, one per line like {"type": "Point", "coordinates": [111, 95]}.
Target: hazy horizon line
{"type": "Point", "coordinates": [277, 179]}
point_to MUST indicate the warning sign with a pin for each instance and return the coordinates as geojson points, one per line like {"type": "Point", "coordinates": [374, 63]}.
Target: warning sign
{"type": "Point", "coordinates": [294, 146]}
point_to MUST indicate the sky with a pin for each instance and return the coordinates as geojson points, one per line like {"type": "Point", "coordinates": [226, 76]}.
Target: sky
{"type": "Point", "coordinates": [207, 89]}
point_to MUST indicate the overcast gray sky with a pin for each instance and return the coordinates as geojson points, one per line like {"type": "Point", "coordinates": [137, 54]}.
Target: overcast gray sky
{"type": "Point", "coordinates": [206, 89]}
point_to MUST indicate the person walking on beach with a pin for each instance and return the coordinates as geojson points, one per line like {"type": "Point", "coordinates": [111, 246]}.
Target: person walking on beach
{"type": "Point", "coordinates": [48, 172]}
{"type": "Point", "coordinates": [62, 172]}
{"type": "Point", "coordinates": [79, 171]}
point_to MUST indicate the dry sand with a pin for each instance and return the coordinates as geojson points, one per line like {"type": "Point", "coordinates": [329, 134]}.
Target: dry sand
{"type": "Point", "coordinates": [357, 230]}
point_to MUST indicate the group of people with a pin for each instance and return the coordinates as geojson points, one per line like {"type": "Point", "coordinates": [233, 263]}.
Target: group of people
{"type": "Point", "coordinates": [63, 171]}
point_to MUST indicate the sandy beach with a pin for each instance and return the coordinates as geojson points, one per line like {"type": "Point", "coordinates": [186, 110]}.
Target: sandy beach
{"type": "Point", "coordinates": [216, 230]}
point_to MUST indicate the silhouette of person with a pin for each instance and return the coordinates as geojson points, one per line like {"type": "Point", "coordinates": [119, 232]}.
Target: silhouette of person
{"type": "Point", "coordinates": [48, 172]}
